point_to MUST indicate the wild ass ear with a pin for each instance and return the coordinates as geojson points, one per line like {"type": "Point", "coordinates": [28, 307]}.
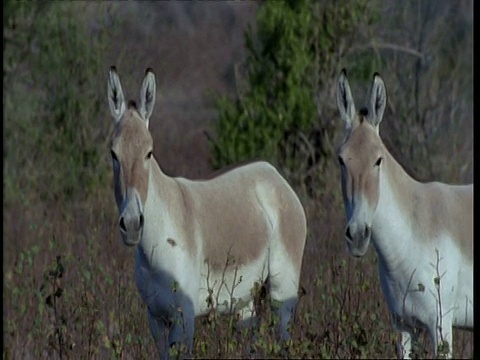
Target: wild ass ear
{"type": "Point", "coordinates": [147, 95]}
{"type": "Point", "coordinates": [345, 103]}
{"type": "Point", "coordinates": [377, 100]}
{"type": "Point", "coordinates": [116, 100]}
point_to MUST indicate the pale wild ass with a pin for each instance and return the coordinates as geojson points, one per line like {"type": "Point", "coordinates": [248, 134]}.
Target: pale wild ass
{"type": "Point", "coordinates": [201, 244]}
{"type": "Point", "coordinates": [422, 232]}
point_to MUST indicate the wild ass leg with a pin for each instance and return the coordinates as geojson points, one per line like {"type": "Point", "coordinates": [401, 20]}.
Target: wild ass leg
{"type": "Point", "coordinates": [286, 311]}
{"type": "Point", "coordinates": [407, 346]}
{"type": "Point", "coordinates": [176, 331]}
{"type": "Point", "coordinates": [182, 329]}
{"type": "Point", "coordinates": [442, 337]}
{"type": "Point", "coordinates": [247, 317]}
{"type": "Point", "coordinates": [248, 324]}
{"type": "Point", "coordinates": [159, 334]}
{"type": "Point", "coordinates": [283, 293]}
{"type": "Point", "coordinates": [404, 346]}
{"type": "Point", "coordinates": [283, 288]}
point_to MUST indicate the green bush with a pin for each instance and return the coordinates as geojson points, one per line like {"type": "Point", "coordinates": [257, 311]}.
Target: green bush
{"type": "Point", "coordinates": [54, 104]}
{"type": "Point", "coordinates": [291, 58]}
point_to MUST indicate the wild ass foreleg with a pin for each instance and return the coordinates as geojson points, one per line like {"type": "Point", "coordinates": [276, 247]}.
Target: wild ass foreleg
{"type": "Point", "coordinates": [182, 329]}
{"type": "Point", "coordinates": [406, 346]}
{"type": "Point", "coordinates": [160, 335]}
{"type": "Point", "coordinates": [176, 331]}
{"type": "Point", "coordinates": [442, 337]}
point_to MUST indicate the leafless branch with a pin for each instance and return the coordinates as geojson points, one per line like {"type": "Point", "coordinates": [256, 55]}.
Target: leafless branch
{"type": "Point", "coordinates": [381, 45]}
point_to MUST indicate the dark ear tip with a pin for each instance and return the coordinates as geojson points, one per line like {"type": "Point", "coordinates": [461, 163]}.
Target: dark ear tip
{"type": "Point", "coordinates": [343, 72]}
{"type": "Point", "coordinates": [113, 68]}
{"type": "Point", "coordinates": [376, 74]}
{"type": "Point", "coordinates": [149, 70]}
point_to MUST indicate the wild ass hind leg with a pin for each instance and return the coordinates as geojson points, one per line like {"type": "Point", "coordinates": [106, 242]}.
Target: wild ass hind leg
{"type": "Point", "coordinates": [247, 318]}
{"type": "Point", "coordinates": [246, 330]}
{"type": "Point", "coordinates": [283, 284]}
{"type": "Point", "coordinates": [283, 291]}
{"type": "Point", "coordinates": [284, 310]}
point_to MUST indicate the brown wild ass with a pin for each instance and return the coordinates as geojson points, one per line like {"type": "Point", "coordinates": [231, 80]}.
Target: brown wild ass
{"type": "Point", "coordinates": [201, 244]}
{"type": "Point", "coordinates": [422, 232]}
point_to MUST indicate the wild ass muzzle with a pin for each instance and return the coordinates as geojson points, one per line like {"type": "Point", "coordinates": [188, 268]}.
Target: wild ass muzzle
{"type": "Point", "coordinates": [204, 244]}
{"type": "Point", "coordinates": [422, 232]}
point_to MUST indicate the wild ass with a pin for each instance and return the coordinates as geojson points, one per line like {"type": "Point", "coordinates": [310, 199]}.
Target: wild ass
{"type": "Point", "coordinates": [201, 244]}
{"type": "Point", "coordinates": [422, 232]}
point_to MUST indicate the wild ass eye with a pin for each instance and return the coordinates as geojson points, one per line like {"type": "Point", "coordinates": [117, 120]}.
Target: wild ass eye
{"type": "Point", "coordinates": [340, 161]}
{"type": "Point", "coordinates": [379, 161]}
{"type": "Point", "coordinates": [149, 155]}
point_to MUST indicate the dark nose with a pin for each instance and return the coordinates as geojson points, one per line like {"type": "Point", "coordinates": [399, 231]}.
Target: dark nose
{"type": "Point", "coordinates": [348, 234]}
{"type": "Point", "coordinates": [365, 235]}
{"type": "Point", "coordinates": [366, 232]}
{"type": "Point", "coordinates": [122, 224]}
{"type": "Point", "coordinates": [141, 221]}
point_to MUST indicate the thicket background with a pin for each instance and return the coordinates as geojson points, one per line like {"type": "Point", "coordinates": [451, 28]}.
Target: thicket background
{"type": "Point", "coordinates": [236, 80]}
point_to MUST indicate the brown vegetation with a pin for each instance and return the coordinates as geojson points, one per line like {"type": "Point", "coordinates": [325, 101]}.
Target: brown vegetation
{"type": "Point", "coordinates": [69, 290]}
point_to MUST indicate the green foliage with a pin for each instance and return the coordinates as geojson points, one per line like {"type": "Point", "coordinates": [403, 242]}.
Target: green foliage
{"type": "Point", "coordinates": [291, 57]}
{"type": "Point", "coordinates": [54, 135]}
{"type": "Point", "coordinates": [99, 314]}
{"type": "Point", "coordinates": [279, 96]}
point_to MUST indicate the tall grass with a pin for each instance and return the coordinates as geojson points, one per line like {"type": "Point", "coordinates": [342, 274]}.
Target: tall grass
{"type": "Point", "coordinates": [69, 290]}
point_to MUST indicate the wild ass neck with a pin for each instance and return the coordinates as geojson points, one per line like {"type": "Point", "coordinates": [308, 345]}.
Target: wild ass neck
{"type": "Point", "coordinates": [392, 235]}
{"type": "Point", "coordinates": [164, 196]}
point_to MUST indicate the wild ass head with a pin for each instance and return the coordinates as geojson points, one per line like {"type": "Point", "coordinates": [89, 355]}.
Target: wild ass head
{"type": "Point", "coordinates": [131, 151]}
{"type": "Point", "coordinates": [360, 157]}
